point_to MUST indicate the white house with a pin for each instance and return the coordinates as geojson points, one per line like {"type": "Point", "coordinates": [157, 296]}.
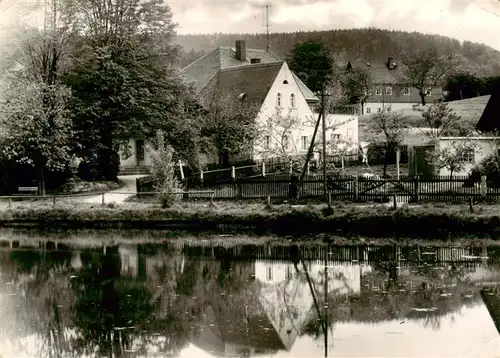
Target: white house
{"type": "Point", "coordinates": [420, 143]}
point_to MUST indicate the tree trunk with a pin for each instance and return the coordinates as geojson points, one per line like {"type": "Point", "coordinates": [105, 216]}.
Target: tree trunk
{"type": "Point", "coordinates": [422, 97]}
{"type": "Point", "coordinates": [41, 182]}
{"type": "Point", "coordinates": [386, 159]}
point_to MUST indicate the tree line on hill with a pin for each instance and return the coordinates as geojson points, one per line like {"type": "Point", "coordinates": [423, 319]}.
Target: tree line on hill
{"type": "Point", "coordinates": [371, 44]}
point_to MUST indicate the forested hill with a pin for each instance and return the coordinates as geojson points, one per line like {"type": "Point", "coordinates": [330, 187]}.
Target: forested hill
{"type": "Point", "coordinates": [368, 44]}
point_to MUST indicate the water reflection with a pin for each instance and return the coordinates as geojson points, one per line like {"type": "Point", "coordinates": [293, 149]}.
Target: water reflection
{"type": "Point", "coordinates": [179, 300]}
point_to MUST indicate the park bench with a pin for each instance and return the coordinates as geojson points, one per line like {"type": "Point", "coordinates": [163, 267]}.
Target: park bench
{"type": "Point", "coordinates": [23, 190]}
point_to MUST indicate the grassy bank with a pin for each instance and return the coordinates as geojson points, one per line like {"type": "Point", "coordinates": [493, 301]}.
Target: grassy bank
{"type": "Point", "coordinates": [436, 221]}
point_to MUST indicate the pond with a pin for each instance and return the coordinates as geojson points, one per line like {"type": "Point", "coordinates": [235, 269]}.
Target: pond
{"type": "Point", "coordinates": [82, 297]}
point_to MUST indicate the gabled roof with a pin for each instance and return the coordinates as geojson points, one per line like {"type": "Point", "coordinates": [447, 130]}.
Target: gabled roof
{"type": "Point", "coordinates": [306, 92]}
{"type": "Point", "coordinates": [381, 74]}
{"type": "Point", "coordinates": [490, 118]}
{"type": "Point", "coordinates": [254, 81]}
{"type": "Point", "coordinates": [201, 71]}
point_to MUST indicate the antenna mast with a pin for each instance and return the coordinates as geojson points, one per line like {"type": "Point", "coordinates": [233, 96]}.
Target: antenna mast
{"type": "Point", "coordinates": [267, 28]}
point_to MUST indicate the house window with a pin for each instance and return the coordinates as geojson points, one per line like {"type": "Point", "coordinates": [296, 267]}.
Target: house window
{"type": "Point", "coordinates": [388, 91]}
{"type": "Point", "coordinates": [288, 273]}
{"type": "Point", "coordinates": [379, 109]}
{"type": "Point", "coordinates": [269, 273]}
{"type": "Point", "coordinates": [468, 156]}
{"type": "Point", "coordinates": [286, 142]}
{"type": "Point", "coordinates": [303, 141]}
{"type": "Point", "coordinates": [292, 100]}
{"type": "Point", "coordinates": [267, 140]}
{"type": "Point", "coordinates": [349, 133]}
{"type": "Point", "coordinates": [406, 91]}
{"type": "Point", "coordinates": [389, 108]}
{"type": "Point", "coordinates": [278, 100]}
{"type": "Point", "coordinates": [368, 110]}
{"type": "Point", "coordinates": [428, 91]}
{"type": "Point", "coordinates": [378, 91]}
{"type": "Point", "coordinates": [335, 137]}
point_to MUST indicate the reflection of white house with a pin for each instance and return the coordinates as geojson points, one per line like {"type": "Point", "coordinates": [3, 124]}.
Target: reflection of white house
{"type": "Point", "coordinates": [129, 260]}
{"type": "Point", "coordinates": [286, 296]}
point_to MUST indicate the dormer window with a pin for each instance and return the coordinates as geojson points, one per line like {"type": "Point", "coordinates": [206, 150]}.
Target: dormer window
{"type": "Point", "coordinates": [406, 91]}
{"type": "Point", "coordinates": [292, 100]}
{"type": "Point", "coordinates": [241, 96]}
{"type": "Point", "coordinates": [285, 82]}
{"type": "Point", "coordinates": [279, 100]}
{"type": "Point", "coordinates": [255, 60]}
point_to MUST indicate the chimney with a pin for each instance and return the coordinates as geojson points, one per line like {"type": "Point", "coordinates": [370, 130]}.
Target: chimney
{"type": "Point", "coordinates": [390, 63]}
{"type": "Point", "coordinates": [241, 50]}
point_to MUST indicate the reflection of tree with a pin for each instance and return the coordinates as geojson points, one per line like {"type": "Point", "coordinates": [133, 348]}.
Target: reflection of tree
{"type": "Point", "coordinates": [41, 308]}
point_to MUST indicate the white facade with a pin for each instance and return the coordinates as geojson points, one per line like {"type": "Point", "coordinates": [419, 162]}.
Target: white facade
{"type": "Point", "coordinates": [374, 107]}
{"type": "Point", "coordinates": [285, 100]}
{"type": "Point", "coordinates": [132, 157]}
{"type": "Point", "coordinates": [484, 147]}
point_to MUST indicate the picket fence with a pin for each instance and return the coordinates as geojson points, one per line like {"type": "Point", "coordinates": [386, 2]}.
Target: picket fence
{"type": "Point", "coordinates": [348, 188]}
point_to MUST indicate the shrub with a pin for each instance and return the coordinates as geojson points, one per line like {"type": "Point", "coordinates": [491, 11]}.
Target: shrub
{"type": "Point", "coordinates": [163, 171]}
{"type": "Point", "coordinates": [490, 166]}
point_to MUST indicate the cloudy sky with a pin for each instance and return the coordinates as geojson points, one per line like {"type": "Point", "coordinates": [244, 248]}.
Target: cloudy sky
{"type": "Point", "coordinates": [474, 20]}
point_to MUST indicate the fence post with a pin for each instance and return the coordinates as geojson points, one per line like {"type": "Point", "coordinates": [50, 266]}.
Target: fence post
{"type": "Point", "coordinates": [10, 202]}
{"type": "Point", "coordinates": [233, 172]}
{"type": "Point", "coordinates": [137, 186]}
{"type": "Point", "coordinates": [263, 168]}
{"type": "Point", "coordinates": [201, 175]}
{"type": "Point", "coordinates": [308, 168]}
{"type": "Point", "coordinates": [394, 202]}
{"type": "Point", "coordinates": [355, 192]}
{"type": "Point", "coordinates": [181, 170]}
{"type": "Point", "coordinates": [54, 200]}
{"type": "Point", "coordinates": [417, 189]}
{"type": "Point", "coordinates": [342, 161]}
{"type": "Point", "coordinates": [483, 186]}
{"type": "Point", "coordinates": [291, 167]}
{"type": "Point", "coordinates": [103, 201]}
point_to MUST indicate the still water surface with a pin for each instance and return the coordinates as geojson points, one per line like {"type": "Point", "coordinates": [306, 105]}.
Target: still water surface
{"type": "Point", "coordinates": [204, 299]}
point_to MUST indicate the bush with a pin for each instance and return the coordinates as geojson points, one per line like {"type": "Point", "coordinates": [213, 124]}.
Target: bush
{"type": "Point", "coordinates": [490, 167]}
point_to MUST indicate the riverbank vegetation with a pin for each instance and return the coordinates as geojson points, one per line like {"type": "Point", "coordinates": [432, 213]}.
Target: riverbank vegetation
{"type": "Point", "coordinates": [434, 221]}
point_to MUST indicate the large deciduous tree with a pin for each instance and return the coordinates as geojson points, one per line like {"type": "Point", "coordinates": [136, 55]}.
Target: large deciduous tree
{"type": "Point", "coordinates": [124, 81]}
{"type": "Point", "coordinates": [229, 128]}
{"type": "Point", "coordinates": [426, 69]}
{"type": "Point", "coordinates": [312, 63]}
{"type": "Point", "coordinates": [36, 127]}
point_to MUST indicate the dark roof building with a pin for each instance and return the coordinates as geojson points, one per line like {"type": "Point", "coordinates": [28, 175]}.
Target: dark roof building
{"type": "Point", "coordinates": [490, 118]}
{"type": "Point", "coordinates": [224, 65]}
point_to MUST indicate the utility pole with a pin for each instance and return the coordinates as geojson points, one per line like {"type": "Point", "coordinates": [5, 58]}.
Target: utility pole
{"type": "Point", "coordinates": [267, 28]}
{"type": "Point", "coordinates": [325, 189]}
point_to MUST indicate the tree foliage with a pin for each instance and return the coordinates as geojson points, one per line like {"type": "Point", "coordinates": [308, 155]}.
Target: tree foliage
{"type": "Point", "coordinates": [454, 157]}
{"type": "Point", "coordinates": [312, 63]}
{"type": "Point", "coordinates": [124, 82]}
{"type": "Point", "coordinates": [425, 70]}
{"type": "Point", "coordinates": [463, 85]}
{"type": "Point", "coordinates": [37, 128]}
{"type": "Point", "coordinates": [357, 84]}
{"type": "Point", "coordinates": [229, 128]}
{"type": "Point", "coordinates": [388, 129]}
{"type": "Point", "coordinates": [443, 121]}
{"type": "Point", "coordinates": [163, 170]}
